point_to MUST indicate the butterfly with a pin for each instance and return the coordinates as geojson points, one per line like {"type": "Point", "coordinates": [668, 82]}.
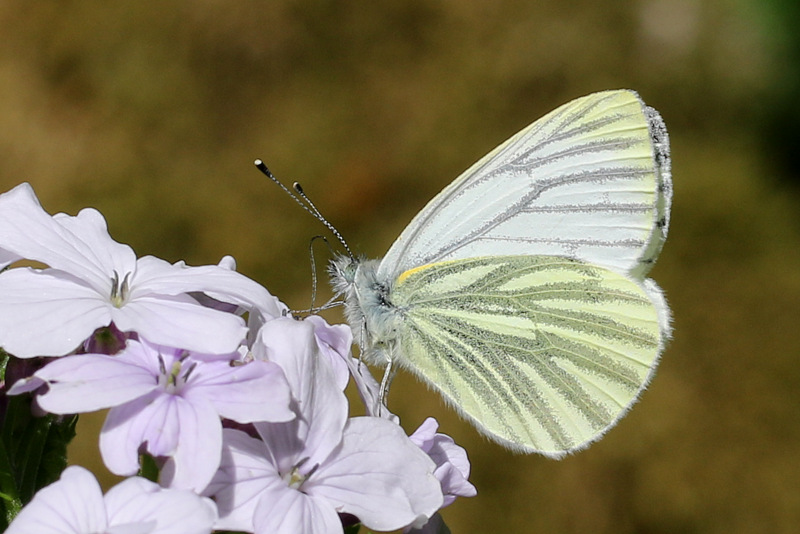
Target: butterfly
{"type": "Point", "coordinates": [519, 292]}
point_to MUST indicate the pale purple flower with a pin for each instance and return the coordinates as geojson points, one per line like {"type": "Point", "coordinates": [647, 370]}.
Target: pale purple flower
{"type": "Point", "coordinates": [334, 342]}
{"type": "Point", "coordinates": [452, 464]}
{"type": "Point", "coordinates": [452, 471]}
{"type": "Point", "coordinates": [166, 401]}
{"type": "Point", "coordinates": [301, 474]}
{"type": "Point", "coordinates": [76, 505]}
{"type": "Point", "coordinates": [93, 281]}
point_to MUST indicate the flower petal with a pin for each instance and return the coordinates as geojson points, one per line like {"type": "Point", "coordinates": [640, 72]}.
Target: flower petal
{"type": "Point", "coordinates": [379, 476]}
{"type": "Point", "coordinates": [26, 385]}
{"type": "Point", "coordinates": [435, 525]}
{"type": "Point", "coordinates": [77, 245]}
{"type": "Point", "coordinates": [7, 258]}
{"type": "Point", "coordinates": [137, 500]}
{"type": "Point", "coordinates": [89, 235]}
{"type": "Point", "coordinates": [423, 437]}
{"type": "Point", "coordinates": [454, 483]}
{"type": "Point", "coordinates": [145, 527]}
{"type": "Point", "coordinates": [121, 436]}
{"type": "Point", "coordinates": [198, 447]}
{"type": "Point", "coordinates": [159, 425]}
{"type": "Point", "coordinates": [85, 383]}
{"type": "Point", "coordinates": [244, 473]}
{"type": "Point", "coordinates": [255, 391]}
{"type": "Point", "coordinates": [369, 390]}
{"type": "Point", "coordinates": [162, 278]}
{"type": "Point", "coordinates": [282, 510]}
{"type": "Point", "coordinates": [72, 505]}
{"type": "Point", "coordinates": [321, 404]}
{"type": "Point", "coordinates": [334, 342]}
{"type": "Point", "coordinates": [452, 464]}
{"type": "Point", "coordinates": [177, 321]}
{"type": "Point", "coordinates": [47, 313]}
{"type": "Point", "coordinates": [188, 433]}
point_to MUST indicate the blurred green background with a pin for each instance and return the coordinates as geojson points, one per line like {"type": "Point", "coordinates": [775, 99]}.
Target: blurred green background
{"type": "Point", "coordinates": [153, 112]}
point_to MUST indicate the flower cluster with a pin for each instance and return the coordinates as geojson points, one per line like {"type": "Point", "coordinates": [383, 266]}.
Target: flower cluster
{"type": "Point", "coordinates": [240, 405]}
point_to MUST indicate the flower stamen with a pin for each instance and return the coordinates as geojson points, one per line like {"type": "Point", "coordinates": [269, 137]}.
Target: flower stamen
{"type": "Point", "coordinates": [172, 379]}
{"type": "Point", "coordinates": [119, 290]}
{"type": "Point", "coordinates": [188, 372]}
{"type": "Point", "coordinates": [295, 479]}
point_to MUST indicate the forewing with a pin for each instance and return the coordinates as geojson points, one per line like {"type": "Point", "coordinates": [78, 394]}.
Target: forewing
{"type": "Point", "coordinates": [542, 353]}
{"type": "Point", "coordinates": [589, 181]}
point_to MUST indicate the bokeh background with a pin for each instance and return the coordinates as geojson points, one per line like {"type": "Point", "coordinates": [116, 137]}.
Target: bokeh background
{"type": "Point", "coordinates": [153, 112]}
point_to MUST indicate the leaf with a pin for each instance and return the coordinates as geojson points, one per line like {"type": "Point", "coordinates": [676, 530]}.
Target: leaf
{"type": "Point", "coordinates": [33, 450]}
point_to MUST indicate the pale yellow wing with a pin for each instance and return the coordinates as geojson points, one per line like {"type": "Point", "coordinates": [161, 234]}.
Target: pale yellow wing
{"type": "Point", "coordinates": [542, 353]}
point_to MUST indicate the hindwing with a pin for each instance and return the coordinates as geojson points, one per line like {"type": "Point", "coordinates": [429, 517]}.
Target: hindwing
{"type": "Point", "coordinates": [543, 353]}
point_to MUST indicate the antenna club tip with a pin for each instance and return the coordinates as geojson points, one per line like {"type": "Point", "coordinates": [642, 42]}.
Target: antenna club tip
{"type": "Point", "coordinates": [263, 168]}
{"type": "Point", "coordinates": [297, 187]}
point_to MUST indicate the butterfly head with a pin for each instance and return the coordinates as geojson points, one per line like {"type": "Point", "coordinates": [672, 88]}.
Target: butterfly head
{"type": "Point", "coordinates": [342, 270]}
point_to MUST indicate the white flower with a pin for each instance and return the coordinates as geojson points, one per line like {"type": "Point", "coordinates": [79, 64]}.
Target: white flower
{"type": "Point", "coordinates": [93, 281]}
{"type": "Point", "coordinates": [75, 505]}
{"type": "Point", "coordinates": [299, 475]}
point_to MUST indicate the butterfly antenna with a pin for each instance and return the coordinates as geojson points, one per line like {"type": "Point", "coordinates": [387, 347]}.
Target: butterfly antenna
{"type": "Point", "coordinates": [305, 203]}
{"type": "Point", "coordinates": [299, 190]}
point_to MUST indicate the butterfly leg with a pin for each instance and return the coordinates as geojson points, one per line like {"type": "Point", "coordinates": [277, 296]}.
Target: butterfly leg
{"type": "Point", "coordinates": [386, 382]}
{"type": "Point", "coordinates": [362, 342]}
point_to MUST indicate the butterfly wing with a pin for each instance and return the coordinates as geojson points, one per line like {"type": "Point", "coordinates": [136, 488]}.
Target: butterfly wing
{"type": "Point", "coordinates": [543, 353]}
{"type": "Point", "coordinates": [589, 180]}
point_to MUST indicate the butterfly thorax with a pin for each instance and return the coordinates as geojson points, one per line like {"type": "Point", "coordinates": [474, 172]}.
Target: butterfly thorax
{"type": "Point", "coordinates": [368, 306]}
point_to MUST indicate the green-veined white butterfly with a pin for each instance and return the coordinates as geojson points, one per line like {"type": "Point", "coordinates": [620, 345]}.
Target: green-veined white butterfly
{"type": "Point", "coordinates": [519, 292]}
